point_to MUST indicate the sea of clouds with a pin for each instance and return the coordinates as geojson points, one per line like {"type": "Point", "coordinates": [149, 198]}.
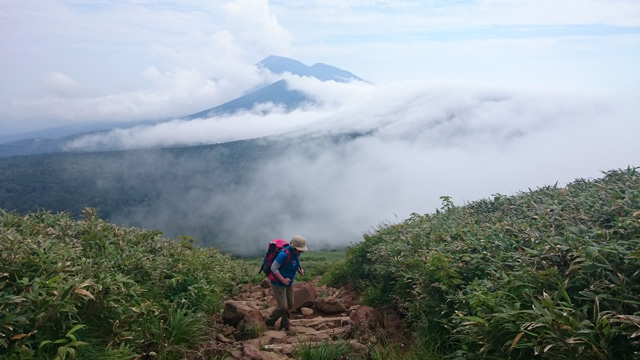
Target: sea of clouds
{"type": "Point", "coordinates": [417, 142]}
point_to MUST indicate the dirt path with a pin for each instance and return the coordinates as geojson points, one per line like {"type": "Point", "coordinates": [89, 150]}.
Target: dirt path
{"type": "Point", "coordinates": [321, 313]}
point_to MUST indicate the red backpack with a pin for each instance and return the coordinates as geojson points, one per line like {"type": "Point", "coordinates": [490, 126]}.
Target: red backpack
{"type": "Point", "coordinates": [273, 250]}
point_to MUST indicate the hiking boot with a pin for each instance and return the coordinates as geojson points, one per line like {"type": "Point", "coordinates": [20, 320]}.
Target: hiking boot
{"type": "Point", "coordinates": [270, 326]}
{"type": "Point", "coordinates": [286, 327]}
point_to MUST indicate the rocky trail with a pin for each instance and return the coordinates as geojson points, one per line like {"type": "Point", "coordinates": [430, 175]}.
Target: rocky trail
{"type": "Point", "coordinates": [321, 313]}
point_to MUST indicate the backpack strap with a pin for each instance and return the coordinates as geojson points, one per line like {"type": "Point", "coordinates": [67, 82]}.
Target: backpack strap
{"type": "Point", "coordinates": [289, 259]}
{"type": "Point", "coordinates": [288, 256]}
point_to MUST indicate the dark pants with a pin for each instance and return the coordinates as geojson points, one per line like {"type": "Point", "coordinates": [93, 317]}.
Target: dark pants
{"type": "Point", "coordinates": [284, 300]}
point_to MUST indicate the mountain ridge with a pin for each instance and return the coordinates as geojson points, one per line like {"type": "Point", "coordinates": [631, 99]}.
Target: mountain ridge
{"type": "Point", "coordinates": [279, 65]}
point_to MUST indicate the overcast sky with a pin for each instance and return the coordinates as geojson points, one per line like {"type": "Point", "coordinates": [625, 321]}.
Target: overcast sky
{"type": "Point", "coordinates": [69, 61]}
{"type": "Point", "coordinates": [467, 98]}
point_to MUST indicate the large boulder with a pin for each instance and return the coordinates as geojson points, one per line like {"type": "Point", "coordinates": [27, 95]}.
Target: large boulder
{"type": "Point", "coordinates": [234, 312]}
{"type": "Point", "coordinates": [254, 319]}
{"type": "Point", "coordinates": [347, 296]}
{"type": "Point", "coordinates": [329, 305]}
{"type": "Point", "coordinates": [366, 318]}
{"type": "Point", "coordinates": [304, 294]}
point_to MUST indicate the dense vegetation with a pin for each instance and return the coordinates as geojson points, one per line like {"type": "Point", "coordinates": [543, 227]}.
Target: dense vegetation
{"type": "Point", "coordinates": [548, 274]}
{"type": "Point", "coordinates": [91, 290]}
{"type": "Point", "coordinates": [155, 189]}
{"type": "Point", "coordinates": [117, 180]}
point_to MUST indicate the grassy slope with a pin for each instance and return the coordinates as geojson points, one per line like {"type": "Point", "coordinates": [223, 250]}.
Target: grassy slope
{"type": "Point", "coordinates": [552, 273]}
{"type": "Point", "coordinates": [93, 290]}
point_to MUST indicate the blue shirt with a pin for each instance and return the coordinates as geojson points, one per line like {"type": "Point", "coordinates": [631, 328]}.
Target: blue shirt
{"type": "Point", "coordinates": [286, 270]}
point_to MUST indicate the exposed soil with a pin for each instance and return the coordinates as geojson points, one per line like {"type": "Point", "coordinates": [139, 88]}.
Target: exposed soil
{"type": "Point", "coordinates": [320, 314]}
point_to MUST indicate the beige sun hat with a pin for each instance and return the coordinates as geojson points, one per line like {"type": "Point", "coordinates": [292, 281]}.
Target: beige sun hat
{"type": "Point", "coordinates": [299, 243]}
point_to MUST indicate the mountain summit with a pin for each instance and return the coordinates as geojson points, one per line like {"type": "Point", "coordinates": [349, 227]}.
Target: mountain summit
{"type": "Point", "coordinates": [279, 93]}
{"type": "Point", "coordinates": [280, 65]}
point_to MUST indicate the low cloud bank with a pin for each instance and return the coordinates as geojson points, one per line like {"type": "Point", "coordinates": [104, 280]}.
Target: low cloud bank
{"type": "Point", "coordinates": [402, 147]}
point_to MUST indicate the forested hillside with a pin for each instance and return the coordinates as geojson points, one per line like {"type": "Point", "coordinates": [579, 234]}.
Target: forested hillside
{"type": "Point", "coordinates": [154, 189]}
{"type": "Point", "coordinates": [118, 180]}
{"type": "Point", "coordinates": [552, 273]}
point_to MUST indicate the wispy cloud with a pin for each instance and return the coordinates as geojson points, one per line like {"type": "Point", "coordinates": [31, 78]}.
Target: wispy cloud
{"type": "Point", "coordinates": [421, 111]}
{"type": "Point", "coordinates": [417, 141]}
{"type": "Point", "coordinates": [463, 144]}
{"type": "Point", "coordinates": [130, 60]}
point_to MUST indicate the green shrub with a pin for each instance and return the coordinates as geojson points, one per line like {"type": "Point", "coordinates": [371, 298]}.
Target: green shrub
{"type": "Point", "coordinates": [552, 273]}
{"type": "Point", "coordinates": [89, 289]}
{"type": "Point", "coordinates": [326, 350]}
{"type": "Point", "coordinates": [175, 332]}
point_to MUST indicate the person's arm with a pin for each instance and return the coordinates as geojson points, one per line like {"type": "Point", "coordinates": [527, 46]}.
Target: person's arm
{"type": "Point", "coordinates": [275, 269]}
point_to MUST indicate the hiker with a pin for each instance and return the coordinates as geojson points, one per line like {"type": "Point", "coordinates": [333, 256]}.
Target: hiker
{"type": "Point", "coordinates": [281, 276]}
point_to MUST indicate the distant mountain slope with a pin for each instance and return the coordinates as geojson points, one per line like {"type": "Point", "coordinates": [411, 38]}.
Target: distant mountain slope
{"type": "Point", "coordinates": [61, 131]}
{"type": "Point", "coordinates": [53, 140]}
{"type": "Point", "coordinates": [277, 93]}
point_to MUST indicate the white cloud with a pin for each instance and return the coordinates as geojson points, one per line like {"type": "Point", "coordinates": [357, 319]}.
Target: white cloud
{"type": "Point", "coordinates": [241, 126]}
{"type": "Point", "coordinates": [257, 26]}
{"type": "Point", "coordinates": [467, 146]}
{"type": "Point", "coordinates": [417, 141]}
{"type": "Point", "coordinates": [129, 60]}
{"type": "Point", "coordinates": [139, 60]}
{"type": "Point", "coordinates": [431, 114]}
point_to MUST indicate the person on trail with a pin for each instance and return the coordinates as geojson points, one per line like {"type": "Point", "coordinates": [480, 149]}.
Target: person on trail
{"type": "Point", "coordinates": [282, 274]}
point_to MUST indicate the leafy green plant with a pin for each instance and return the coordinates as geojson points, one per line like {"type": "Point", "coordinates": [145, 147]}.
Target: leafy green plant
{"type": "Point", "coordinates": [90, 289]}
{"type": "Point", "coordinates": [325, 350]}
{"type": "Point", "coordinates": [66, 346]}
{"type": "Point", "coordinates": [552, 273]}
{"type": "Point", "coordinates": [253, 331]}
{"type": "Point", "coordinates": [176, 333]}
{"type": "Point", "coordinates": [385, 350]}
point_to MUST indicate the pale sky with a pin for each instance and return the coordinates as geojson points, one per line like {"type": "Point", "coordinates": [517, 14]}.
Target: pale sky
{"type": "Point", "coordinates": [71, 61]}
{"type": "Point", "coordinates": [467, 98]}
